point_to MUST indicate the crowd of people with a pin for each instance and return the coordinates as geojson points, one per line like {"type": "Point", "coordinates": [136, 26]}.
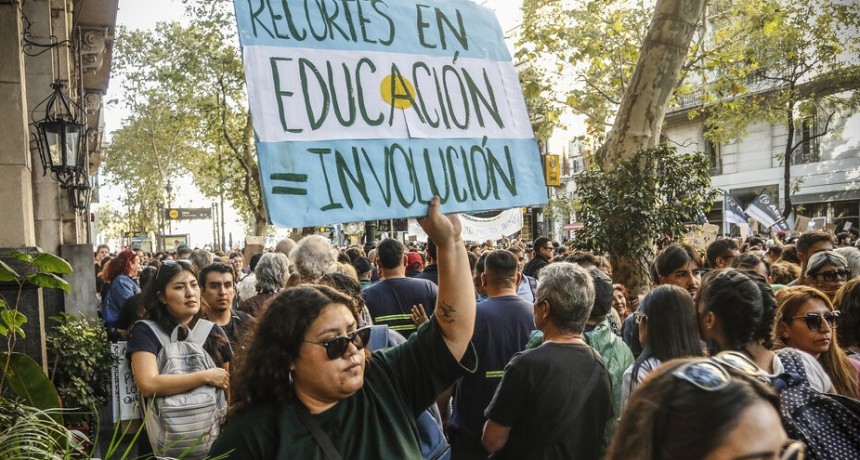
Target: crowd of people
{"type": "Point", "coordinates": [506, 349]}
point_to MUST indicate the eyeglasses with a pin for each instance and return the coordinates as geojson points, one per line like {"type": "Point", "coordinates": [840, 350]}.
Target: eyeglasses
{"type": "Point", "coordinates": [832, 275]}
{"type": "Point", "coordinates": [814, 320]}
{"type": "Point", "coordinates": [336, 347]}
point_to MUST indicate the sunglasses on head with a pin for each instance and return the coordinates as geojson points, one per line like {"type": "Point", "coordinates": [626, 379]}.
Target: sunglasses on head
{"type": "Point", "coordinates": [833, 275]}
{"type": "Point", "coordinates": [711, 375]}
{"type": "Point", "coordinates": [336, 347]}
{"type": "Point", "coordinates": [814, 320]}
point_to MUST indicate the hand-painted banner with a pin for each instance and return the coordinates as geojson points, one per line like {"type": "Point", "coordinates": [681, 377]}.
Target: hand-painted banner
{"type": "Point", "coordinates": [506, 223]}
{"type": "Point", "coordinates": [365, 109]}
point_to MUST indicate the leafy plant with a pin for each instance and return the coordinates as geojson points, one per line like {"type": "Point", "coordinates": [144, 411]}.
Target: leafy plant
{"type": "Point", "coordinates": [653, 195]}
{"type": "Point", "coordinates": [81, 362]}
{"type": "Point", "coordinates": [44, 270]}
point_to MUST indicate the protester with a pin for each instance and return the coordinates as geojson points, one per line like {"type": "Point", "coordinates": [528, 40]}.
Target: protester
{"type": "Point", "coordinates": [271, 274]}
{"type": "Point", "coordinates": [247, 286]}
{"type": "Point", "coordinates": [847, 301]}
{"type": "Point", "coordinates": [173, 299]}
{"type": "Point", "coordinates": [430, 271]}
{"type": "Point", "coordinates": [701, 408]}
{"type": "Point", "coordinates": [809, 244]}
{"type": "Point", "coordinates": [619, 301]}
{"type": "Point", "coordinates": [502, 327]}
{"type": "Point", "coordinates": [754, 262]}
{"type": "Point", "coordinates": [782, 273]}
{"type": "Point", "coordinates": [133, 308]}
{"type": "Point", "coordinates": [827, 272]}
{"type": "Point", "coordinates": [667, 330]}
{"type": "Point", "coordinates": [307, 367]}
{"type": "Point", "coordinates": [852, 256]}
{"type": "Point", "coordinates": [121, 274]}
{"type": "Point", "coordinates": [312, 257]}
{"type": "Point", "coordinates": [554, 400]}
{"type": "Point", "coordinates": [720, 253]}
{"type": "Point", "coordinates": [543, 251]}
{"type": "Point", "coordinates": [217, 293]}
{"type": "Point", "coordinates": [806, 320]}
{"type": "Point", "coordinates": [390, 300]}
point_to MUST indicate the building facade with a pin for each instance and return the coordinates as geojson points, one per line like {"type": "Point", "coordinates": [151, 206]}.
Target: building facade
{"type": "Point", "coordinates": [43, 43]}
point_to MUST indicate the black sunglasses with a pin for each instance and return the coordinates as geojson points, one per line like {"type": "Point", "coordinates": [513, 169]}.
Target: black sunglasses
{"type": "Point", "coordinates": [832, 275]}
{"type": "Point", "coordinates": [814, 320]}
{"type": "Point", "coordinates": [336, 347]}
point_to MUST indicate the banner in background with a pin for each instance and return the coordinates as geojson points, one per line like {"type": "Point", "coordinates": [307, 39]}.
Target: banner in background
{"type": "Point", "coordinates": [480, 229]}
{"type": "Point", "coordinates": [732, 212]}
{"type": "Point", "coordinates": [766, 211]}
{"type": "Point", "coordinates": [365, 110]}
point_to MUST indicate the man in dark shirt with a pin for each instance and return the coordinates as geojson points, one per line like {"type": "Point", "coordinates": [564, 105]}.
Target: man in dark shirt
{"type": "Point", "coordinates": [217, 291]}
{"type": "Point", "coordinates": [543, 253]}
{"type": "Point", "coordinates": [390, 300]}
{"type": "Point", "coordinates": [502, 328]}
{"type": "Point", "coordinates": [431, 270]}
{"type": "Point", "coordinates": [554, 400]}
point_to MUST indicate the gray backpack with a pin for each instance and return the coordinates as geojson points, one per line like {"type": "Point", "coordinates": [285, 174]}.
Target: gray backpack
{"type": "Point", "coordinates": [188, 422]}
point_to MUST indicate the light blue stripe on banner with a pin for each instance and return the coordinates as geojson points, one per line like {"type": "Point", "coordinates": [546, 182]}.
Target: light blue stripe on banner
{"type": "Point", "coordinates": [432, 28]}
{"type": "Point", "coordinates": [315, 183]}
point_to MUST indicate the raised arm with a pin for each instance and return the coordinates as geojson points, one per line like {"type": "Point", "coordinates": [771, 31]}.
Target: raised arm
{"type": "Point", "coordinates": [455, 301]}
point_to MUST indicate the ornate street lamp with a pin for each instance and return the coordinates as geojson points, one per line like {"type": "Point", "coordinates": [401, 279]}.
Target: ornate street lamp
{"type": "Point", "coordinates": [62, 135]}
{"type": "Point", "coordinates": [80, 194]}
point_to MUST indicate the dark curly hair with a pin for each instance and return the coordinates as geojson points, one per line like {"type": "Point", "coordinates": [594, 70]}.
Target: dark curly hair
{"type": "Point", "coordinates": [736, 301]}
{"type": "Point", "coordinates": [262, 376]}
{"type": "Point", "coordinates": [847, 300]}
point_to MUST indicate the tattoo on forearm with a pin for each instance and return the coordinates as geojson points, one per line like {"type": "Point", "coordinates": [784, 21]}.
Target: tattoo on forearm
{"type": "Point", "coordinates": [445, 313]}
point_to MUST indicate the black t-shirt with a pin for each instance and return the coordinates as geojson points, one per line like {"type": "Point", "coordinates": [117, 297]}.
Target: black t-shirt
{"type": "Point", "coordinates": [143, 339]}
{"type": "Point", "coordinates": [539, 390]}
{"type": "Point", "coordinates": [377, 422]}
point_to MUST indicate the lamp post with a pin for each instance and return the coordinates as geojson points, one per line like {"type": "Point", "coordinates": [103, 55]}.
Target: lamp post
{"type": "Point", "coordinates": [169, 189]}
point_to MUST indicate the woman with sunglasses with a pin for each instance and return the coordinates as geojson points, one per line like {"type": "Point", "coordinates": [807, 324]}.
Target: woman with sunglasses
{"type": "Point", "coordinates": [806, 321]}
{"type": "Point", "coordinates": [703, 409]}
{"type": "Point", "coordinates": [667, 330]}
{"type": "Point", "coordinates": [847, 301]}
{"type": "Point", "coordinates": [306, 385]}
{"type": "Point", "coordinates": [172, 299]}
{"type": "Point", "coordinates": [827, 271]}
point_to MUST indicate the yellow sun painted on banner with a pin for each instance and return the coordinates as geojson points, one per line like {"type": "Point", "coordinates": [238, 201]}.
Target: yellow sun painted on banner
{"type": "Point", "coordinates": [402, 90]}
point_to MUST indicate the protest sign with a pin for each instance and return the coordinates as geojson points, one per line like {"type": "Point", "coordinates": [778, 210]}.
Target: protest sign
{"type": "Point", "coordinates": [801, 223]}
{"type": "Point", "coordinates": [818, 223]}
{"type": "Point", "coordinates": [123, 389]}
{"type": "Point", "coordinates": [364, 110]}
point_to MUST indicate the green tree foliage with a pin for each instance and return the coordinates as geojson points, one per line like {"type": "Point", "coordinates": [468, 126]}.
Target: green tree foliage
{"type": "Point", "coordinates": [789, 62]}
{"type": "Point", "coordinates": [185, 88]}
{"type": "Point", "coordinates": [655, 194]}
{"type": "Point", "coordinates": [585, 51]}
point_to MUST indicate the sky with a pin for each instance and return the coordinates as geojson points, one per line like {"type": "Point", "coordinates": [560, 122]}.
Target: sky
{"type": "Point", "coordinates": [145, 14]}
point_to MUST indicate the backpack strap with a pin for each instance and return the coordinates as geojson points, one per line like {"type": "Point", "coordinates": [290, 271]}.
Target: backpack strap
{"type": "Point", "coordinates": [163, 338]}
{"type": "Point", "coordinates": [378, 337]}
{"type": "Point", "coordinates": [200, 332]}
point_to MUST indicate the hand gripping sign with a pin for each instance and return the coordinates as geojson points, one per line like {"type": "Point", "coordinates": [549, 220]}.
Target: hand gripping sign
{"type": "Point", "coordinates": [365, 109]}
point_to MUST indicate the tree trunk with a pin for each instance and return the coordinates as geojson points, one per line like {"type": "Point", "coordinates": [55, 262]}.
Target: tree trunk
{"type": "Point", "coordinates": [640, 117]}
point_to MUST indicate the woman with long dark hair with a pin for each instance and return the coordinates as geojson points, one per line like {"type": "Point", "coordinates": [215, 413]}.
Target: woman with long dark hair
{"type": "Point", "coordinates": [667, 330]}
{"type": "Point", "coordinates": [172, 301]}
